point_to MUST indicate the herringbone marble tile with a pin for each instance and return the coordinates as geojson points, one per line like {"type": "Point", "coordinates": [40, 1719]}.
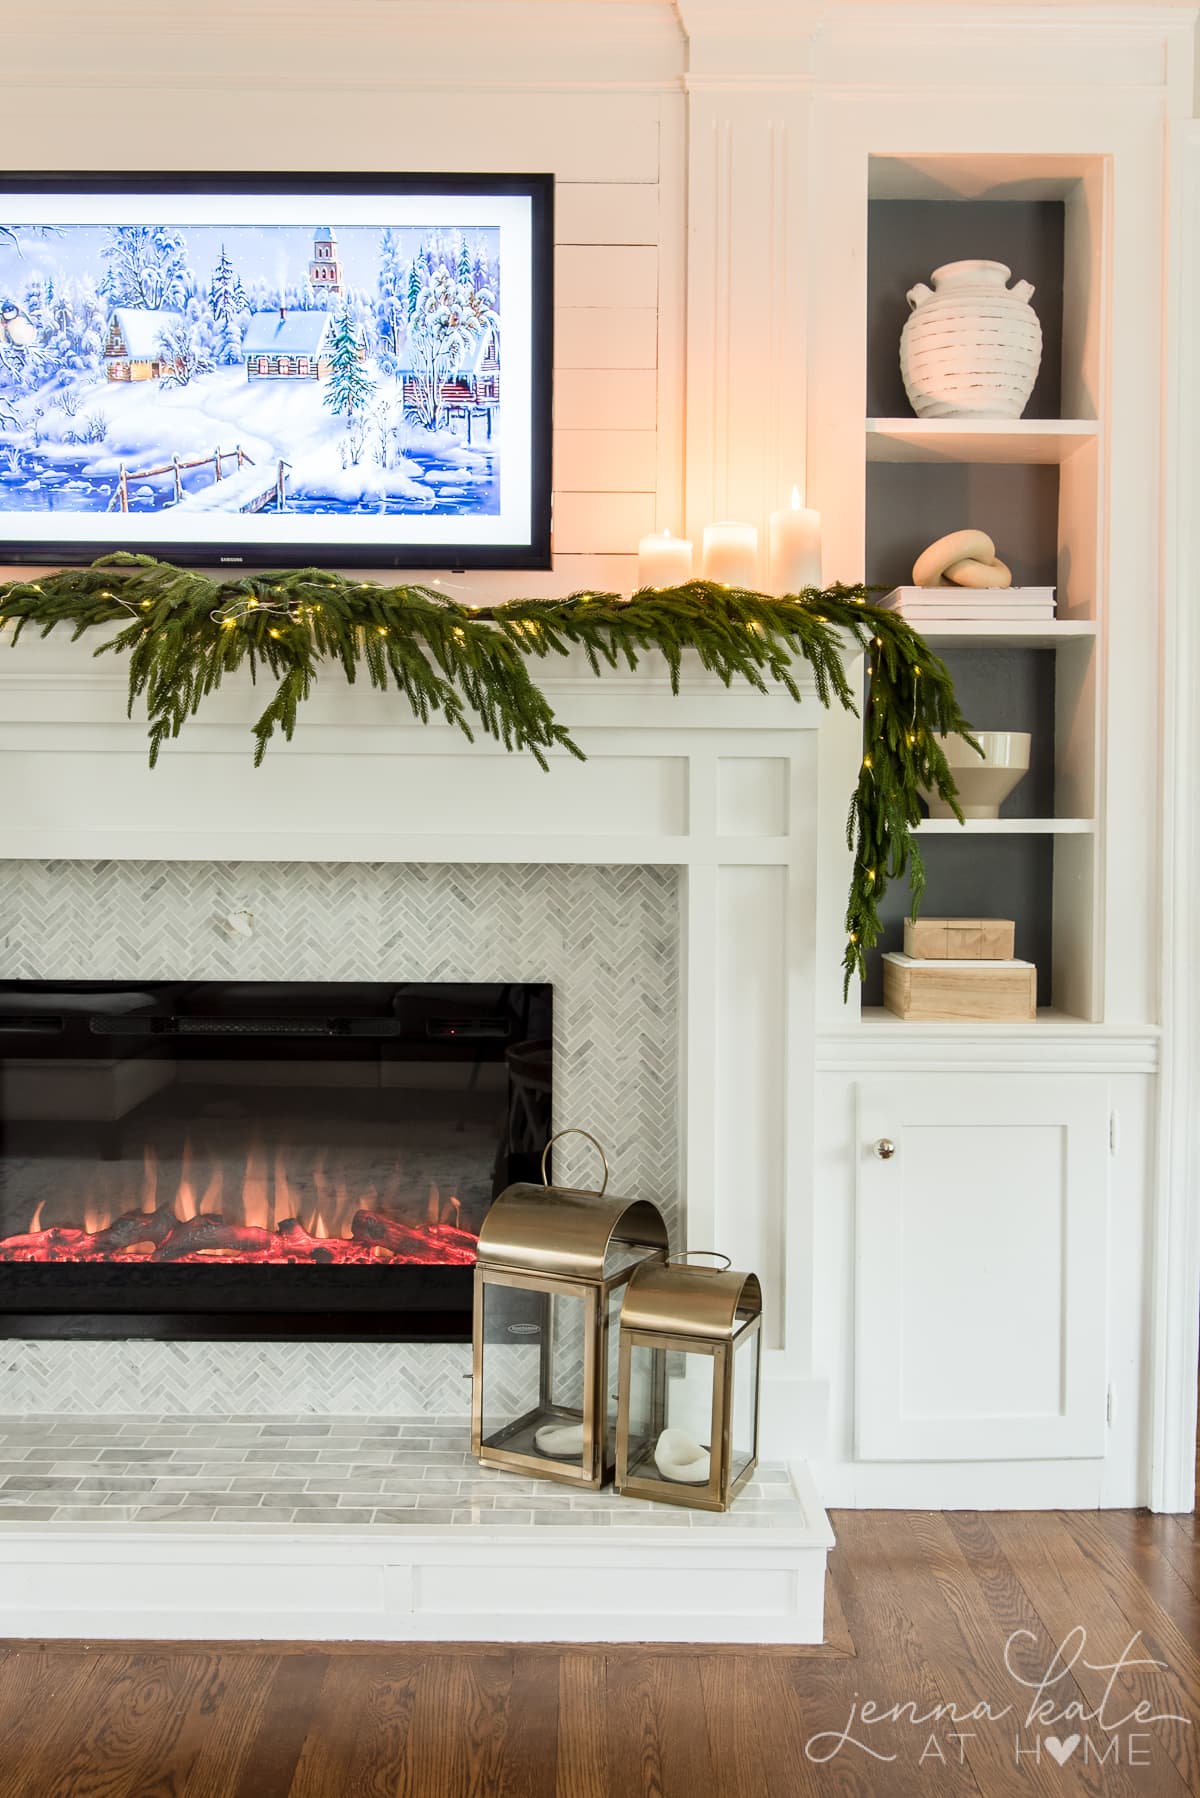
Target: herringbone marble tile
{"type": "Point", "coordinates": [606, 938]}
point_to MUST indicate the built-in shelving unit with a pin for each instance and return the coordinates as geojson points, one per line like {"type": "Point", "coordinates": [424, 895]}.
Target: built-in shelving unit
{"type": "Point", "coordinates": [1035, 484]}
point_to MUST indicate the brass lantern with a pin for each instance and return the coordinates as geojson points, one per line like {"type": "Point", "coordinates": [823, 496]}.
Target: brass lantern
{"type": "Point", "coordinates": [688, 1395]}
{"type": "Point", "coordinates": [553, 1265]}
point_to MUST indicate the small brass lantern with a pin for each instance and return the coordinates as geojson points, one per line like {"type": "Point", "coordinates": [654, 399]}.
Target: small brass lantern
{"type": "Point", "coordinates": [553, 1265]}
{"type": "Point", "coordinates": [688, 1394]}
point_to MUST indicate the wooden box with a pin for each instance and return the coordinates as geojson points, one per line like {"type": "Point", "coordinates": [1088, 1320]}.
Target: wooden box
{"type": "Point", "coordinates": [986, 991]}
{"type": "Point", "coordinates": [959, 939]}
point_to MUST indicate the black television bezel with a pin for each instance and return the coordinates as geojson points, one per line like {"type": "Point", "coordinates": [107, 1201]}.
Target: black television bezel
{"type": "Point", "coordinates": [534, 554]}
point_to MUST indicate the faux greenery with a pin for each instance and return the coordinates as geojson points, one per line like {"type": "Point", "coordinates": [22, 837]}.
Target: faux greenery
{"type": "Point", "coordinates": [183, 632]}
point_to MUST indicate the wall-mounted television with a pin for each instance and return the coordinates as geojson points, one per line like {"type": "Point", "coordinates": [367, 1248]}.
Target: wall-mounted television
{"type": "Point", "coordinates": [276, 370]}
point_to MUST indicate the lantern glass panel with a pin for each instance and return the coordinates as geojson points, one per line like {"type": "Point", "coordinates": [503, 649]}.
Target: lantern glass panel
{"type": "Point", "coordinates": [670, 1390]}
{"type": "Point", "coordinates": [529, 1380]}
{"type": "Point", "coordinates": [647, 1367]}
{"type": "Point", "coordinates": [745, 1401]}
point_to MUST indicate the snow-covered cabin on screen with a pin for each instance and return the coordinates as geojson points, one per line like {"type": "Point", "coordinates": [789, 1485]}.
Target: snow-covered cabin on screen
{"type": "Point", "coordinates": [133, 343]}
{"type": "Point", "coordinates": [473, 390]}
{"type": "Point", "coordinates": [283, 345]}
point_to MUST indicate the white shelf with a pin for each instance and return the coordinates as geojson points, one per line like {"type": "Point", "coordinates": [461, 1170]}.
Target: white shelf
{"type": "Point", "coordinates": [1047, 1019]}
{"type": "Point", "coordinates": [983, 634]}
{"type": "Point", "coordinates": [1021, 440]}
{"type": "Point", "coordinates": [1007, 827]}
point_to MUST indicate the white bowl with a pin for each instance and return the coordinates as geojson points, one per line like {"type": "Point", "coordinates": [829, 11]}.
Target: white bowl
{"type": "Point", "coordinates": [983, 783]}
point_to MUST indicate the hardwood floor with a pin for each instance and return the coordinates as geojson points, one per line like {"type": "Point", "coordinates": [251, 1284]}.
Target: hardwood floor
{"type": "Point", "coordinates": [948, 1621]}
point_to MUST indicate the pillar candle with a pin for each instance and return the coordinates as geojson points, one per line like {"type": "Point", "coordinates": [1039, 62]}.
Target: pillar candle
{"type": "Point", "coordinates": [795, 542]}
{"type": "Point", "coordinates": [731, 554]}
{"type": "Point", "coordinates": [664, 561]}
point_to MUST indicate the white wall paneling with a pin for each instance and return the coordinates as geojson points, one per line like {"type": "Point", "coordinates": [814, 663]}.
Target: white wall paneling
{"type": "Point", "coordinates": [591, 93]}
{"type": "Point", "coordinates": [1175, 1270]}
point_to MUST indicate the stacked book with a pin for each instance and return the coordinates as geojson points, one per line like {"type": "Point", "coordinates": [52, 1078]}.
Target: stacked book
{"type": "Point", "coordinates": [980, 605]}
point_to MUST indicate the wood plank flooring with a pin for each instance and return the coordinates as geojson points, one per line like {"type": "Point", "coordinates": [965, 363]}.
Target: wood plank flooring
{"type": "Point", "coordinates": [1039, 1653]}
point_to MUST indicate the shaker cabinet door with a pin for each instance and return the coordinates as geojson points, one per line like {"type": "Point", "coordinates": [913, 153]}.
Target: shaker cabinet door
{"type": "Point", "coordinates": [980, 1259]}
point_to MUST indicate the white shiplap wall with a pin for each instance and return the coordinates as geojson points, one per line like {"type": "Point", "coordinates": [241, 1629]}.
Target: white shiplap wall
{"type": "Point", "coordinates": [590, 91]}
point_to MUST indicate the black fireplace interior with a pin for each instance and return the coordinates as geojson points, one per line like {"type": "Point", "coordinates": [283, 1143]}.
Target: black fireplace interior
{"type": "Point", "coordinates": [198, 1159]}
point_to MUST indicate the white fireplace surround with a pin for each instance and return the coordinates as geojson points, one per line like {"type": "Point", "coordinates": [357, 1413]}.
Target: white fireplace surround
{"type": "Point", "coordinates": [722, 785]}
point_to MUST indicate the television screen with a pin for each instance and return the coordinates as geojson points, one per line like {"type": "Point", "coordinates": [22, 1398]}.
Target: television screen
{"type": "Point", "coordinates": [260, 370]}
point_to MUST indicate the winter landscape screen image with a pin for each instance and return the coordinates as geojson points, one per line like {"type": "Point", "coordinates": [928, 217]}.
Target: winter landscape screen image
{"type": "Point", "coordinates": [267, 375]}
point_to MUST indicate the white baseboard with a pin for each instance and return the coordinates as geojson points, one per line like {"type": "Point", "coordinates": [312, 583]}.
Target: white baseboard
{"type": "Point", "coordinates": [961, 1485]}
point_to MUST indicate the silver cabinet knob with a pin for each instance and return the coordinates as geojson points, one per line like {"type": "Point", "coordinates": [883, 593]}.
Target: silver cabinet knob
{"type": "Point", "coordinates": [885, 1148]}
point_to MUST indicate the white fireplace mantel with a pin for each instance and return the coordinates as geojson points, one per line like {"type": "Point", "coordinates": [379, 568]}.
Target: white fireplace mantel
{"type": "Point", "coordinates": [722, 783]}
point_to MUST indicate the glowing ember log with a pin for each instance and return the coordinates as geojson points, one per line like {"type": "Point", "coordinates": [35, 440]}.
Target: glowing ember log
{"type": "Point", "coordinates": [136, 1226]}
{"type": "Point", "coordinates": [200, 1234]}
{"type": "Point", "coordinates": [414, 1242]}
{"type": "Point", "coordinates": [58, 1243]}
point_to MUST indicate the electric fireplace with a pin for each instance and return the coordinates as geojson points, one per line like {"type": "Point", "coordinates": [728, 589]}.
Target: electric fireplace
{"type": "Point", "coordinates": [196, 1159]}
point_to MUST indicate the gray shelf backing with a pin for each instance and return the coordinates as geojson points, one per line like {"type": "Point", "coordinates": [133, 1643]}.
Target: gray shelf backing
{"type": "Point", "coordinates": [908, 239]}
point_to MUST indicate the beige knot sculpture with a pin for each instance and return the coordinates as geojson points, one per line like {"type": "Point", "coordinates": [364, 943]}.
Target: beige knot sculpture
{"type": "Point", "coordinates": [963, 559]}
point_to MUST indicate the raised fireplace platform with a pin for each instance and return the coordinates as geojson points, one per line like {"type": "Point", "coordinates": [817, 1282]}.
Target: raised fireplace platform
{"type": "Point", "coordinates": [378, 1529]}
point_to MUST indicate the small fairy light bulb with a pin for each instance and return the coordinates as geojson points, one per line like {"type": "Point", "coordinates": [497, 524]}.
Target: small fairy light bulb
{"type": "Point", "coordinates": [866, 761]}
{"type": "Point", "coordinates": [274, 632]}
{"type": "Point", "coordinates": [251, 603]}
{"type": "Point", "coordinates": [381, 630]}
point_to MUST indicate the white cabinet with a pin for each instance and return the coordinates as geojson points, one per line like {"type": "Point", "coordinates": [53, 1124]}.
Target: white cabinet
{"type": "Point", "coordinates": [980, 1254]}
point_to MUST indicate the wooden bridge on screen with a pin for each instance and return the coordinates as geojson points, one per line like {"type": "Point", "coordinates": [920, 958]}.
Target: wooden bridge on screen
{"type": "Point", "coordinates": [245, 488]}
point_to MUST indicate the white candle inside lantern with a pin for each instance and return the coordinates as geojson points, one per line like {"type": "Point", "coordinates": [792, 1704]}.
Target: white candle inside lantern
{"type": "Point", "coordinates": [664, 561]}
{"type": "Point", "coordinates": [795, 544]}
{"type": "Point", "coordinates": [731, 554]}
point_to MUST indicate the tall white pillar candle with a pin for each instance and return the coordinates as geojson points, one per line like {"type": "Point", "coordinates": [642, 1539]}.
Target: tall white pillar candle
{"type": "Point", "coordinates": [795, 548]}
{"type": "Point", "coordinates": [731, 554]}
{"type": "Point", "coordinates": [664, 561]}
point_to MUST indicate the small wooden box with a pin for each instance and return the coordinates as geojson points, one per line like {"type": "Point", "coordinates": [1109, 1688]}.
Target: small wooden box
{"type": "Point", "coordinates": [943, 991]}
{"type": "Point", "coordinates": [959, 939]}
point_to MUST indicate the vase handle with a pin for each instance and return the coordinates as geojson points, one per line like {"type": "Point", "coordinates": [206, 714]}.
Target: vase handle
{"type": "Point", "coordinates": [1022, 290]}
{"type": "Point", "coordinates": [917, 296]}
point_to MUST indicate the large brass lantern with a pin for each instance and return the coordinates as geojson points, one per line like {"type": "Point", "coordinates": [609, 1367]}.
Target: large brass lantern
{"type": "Point", "coordinates": [687, 1414]}
{"type": "Point", "coordinates": [553, 1265]}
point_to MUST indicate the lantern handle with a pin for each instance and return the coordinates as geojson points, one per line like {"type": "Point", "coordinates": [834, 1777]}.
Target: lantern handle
{"type": "Point", "coordinates": [713, 1254]}
{"type": "Point", "coordinates": [573, 1130]}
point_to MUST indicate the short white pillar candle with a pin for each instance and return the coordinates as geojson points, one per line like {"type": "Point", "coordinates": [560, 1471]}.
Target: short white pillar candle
{"type": "Point", "coordinates": [731, 554]}
{"type": "Point", "coordinates": [795, 548]}
{"type": "Point", "coordinates": [664, 561]}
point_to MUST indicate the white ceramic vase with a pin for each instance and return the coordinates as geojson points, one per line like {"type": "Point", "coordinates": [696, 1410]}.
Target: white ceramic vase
{"type": "Point", "coordinates": [971, 346]}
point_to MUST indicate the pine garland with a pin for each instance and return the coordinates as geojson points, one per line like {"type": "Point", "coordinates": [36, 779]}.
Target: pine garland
{"type": "Point", "coordinates": [183, 632]}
